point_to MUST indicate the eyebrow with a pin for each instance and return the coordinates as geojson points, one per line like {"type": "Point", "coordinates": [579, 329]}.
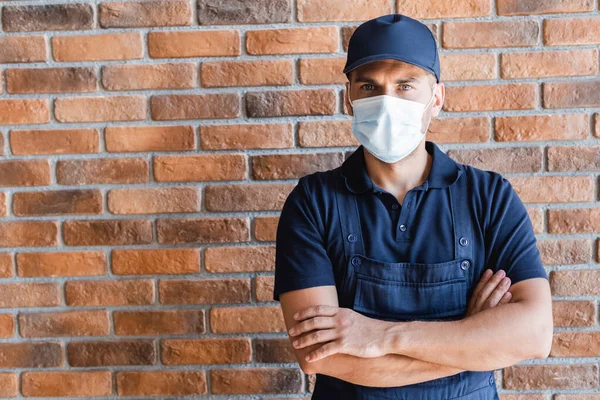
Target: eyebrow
{"type": "Point", "coordinates": [362, 78]}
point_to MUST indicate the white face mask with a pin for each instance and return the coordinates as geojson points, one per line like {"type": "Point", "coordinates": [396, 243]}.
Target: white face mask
{"type": "Point", "coordinates": [388, 126]}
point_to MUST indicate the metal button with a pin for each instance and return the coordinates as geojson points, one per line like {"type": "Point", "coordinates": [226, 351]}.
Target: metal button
{"type": "Point", "coordinates": [491, 379]}
{"type": "Point", "coordinates": [356, 261]}
{"type": "Point", "coordinates": [465, 265]}
{"type": "Point", "coordinates": [394, 206]}
{"type": "Point", "coordinates": [352, 238]}
{"type": "Point", "coordinates": [463, 241]}
{"type": "Point", "coordinates": [402, 227]}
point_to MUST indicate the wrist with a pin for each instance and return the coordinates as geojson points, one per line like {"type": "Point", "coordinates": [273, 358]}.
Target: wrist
{"type": "Point", "coordinates": [395, 337]}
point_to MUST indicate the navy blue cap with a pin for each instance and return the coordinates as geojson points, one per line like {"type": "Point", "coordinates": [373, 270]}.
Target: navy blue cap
{"type": "Point", "coordinates": [396, 37]}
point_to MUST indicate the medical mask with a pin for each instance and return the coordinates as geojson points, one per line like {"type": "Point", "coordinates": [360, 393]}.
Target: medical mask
{"type": "Point", "coordinates": [388, 126]}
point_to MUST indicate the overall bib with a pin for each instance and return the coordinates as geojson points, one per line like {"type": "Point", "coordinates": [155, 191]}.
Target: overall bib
{"type": "Point", "coordinates": [407, 291]}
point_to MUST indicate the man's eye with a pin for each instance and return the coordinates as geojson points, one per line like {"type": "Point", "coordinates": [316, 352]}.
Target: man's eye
{"type": "Point", "coordinates": [406, 86]}
{"type": "Point", "coordinates": [368, 86]}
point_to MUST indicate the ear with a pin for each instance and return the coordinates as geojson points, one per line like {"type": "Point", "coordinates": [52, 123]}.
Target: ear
{"type": "Point", "coordinates": [346, 99]}
{"type": "Point", "coordinates": [436, 107]}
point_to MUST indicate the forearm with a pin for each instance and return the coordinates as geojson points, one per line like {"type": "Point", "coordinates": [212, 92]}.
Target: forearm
{"type": "Point", "coordinates": [386, 371]}
{"type": "Point", "coordinates": [491, 339]}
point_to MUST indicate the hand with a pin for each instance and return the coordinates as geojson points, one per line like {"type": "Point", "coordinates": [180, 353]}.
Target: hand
{"type": "Point", "coordinates": [489, 292]}
{"type": "Point", "coordinates": [345, 330]}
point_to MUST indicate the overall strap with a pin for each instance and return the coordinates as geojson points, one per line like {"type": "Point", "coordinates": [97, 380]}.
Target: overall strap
{"type": "Point", "coordinates": [347, 207]}
{"type": "Point", "coordinates": [462, 221]}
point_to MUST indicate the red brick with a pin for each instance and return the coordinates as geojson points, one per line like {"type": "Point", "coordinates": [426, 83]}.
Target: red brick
{"type": "Point", "coordinates": [152, 76]}
{"type": "Point", "coordinates": [549, 64]}
{"type": "Point", "coordinates": [48, 17]}
{"type": "Point", "coordinates": [54, 141]}
{"type": "Point", "coordinates": [107, 232]}
{"type": "Point", "coordinates": [290, 103]}
{"type": "Point", "coordinates": [24, 173]}
{"type": "Point", "coordinates": [265, 228]}
{"type": "Point", "coordinates": [167, 322]}
{"type": "Point", "coordinates": [571, 31]}
{"type": "Point", "coordinates": [57, 202]}
{"type": "Point", "coordinates": [322, 39]}
{"type": "Point", "coordinates": [51, 80]}
{"type": "Point", "coordinates": [573, 158]}
{"type": "Point", "coordinates": [502, 160]}
{"type": "Point", "coordinates": [482, 34]}
{"type": "Point", "coordinates": [9, 384]}
{"type": "Point", "coordinates": [100, 109]}
{"type": "Point", "coordinates": [37, 294]}
{"type": "Point", "coordinates": [160, 383]}
{"type": "Point", "coordinates": [466, 67]}
{"type": "Point", "coordinates": [251, 197]}
{"type": "Point", "coordinates": [209, 291]}
{"type": "Point", "coordinates": [542, 127]}
{"type": "Point", "coordinates": [109, 293]}
{"type": "Point", "coordinates": [274, 351]}
{"type": "Point", "coordinates": [76, 263]}
{"type": "Point", "coordinates": [574, 220]}
{"type": "Point", "coordinates": [6, 265]}
{"type": "Point", "coordinates": [204, 167]}
{"type": "Point", "coordinates": [553, 189]}
{"type": "Point", "coordinates": [28, 234]}
{"type": "Point", "coordinates": [149, 138]}
{"type": "Point", "coordinates": [3, 208]}
{"type": "Point", "coordinates": [24, 111]}
{"type": "Point", "coordinates": [206, 351]}
{"type": "Point", "coordinates": [326, 134]}
{"type": "Point", "coordinates": [247, 73]}
{"type": "Point", "coordinates": [211, 43]}
{"type": "Point", "coordinates": [102, 170]}
{"type": "Point", "coordinates": [516, 7]}
{"type": "Point", "coordinates": [319, 71]}
{"type": "Point", "coordinates": [333, 10]}
{"type": "Point", "coordinates": [264, 287]}
{"type": "Point", "coordinates": [571, 94]}
{"type": "Point", "coordinates": [537, 219]}
{"type": "Point", "coordinates": [512, 96]}
{"type": "Point", "coordinates": [576, 313]}
{"type": "Point", "coordinates": [565, 251]}
{"type": "Point", "coordinates": [113, 352]}
{"type": "Point", "coordinates": [103, 47]}
{"type": "Point", "coordinates": [203, 230]}
{"type": "Point", "coordinates": [239, 259]}
{"type": "Point", "coordinates": [153, 200]}
{"type": "Point", "coordinates": [257, 380]}
{"type": "Point", "coordinates": [7, 329]}
{"type": "Point", "coordinates": [575, 283]}
{"type": "Point", "coordinates": [576, 344]}
{"type": "Point", "coordinates": [195, 106]}
{"type": "Point", "coordinates": [541, 377]}
{"type": "Point", "coordinates": [145, 14]}
{"type": "Point", "coordinates": [290, 166]}
{"type": "Point", "coordinates": [155, 261]}
{"type": "Point", "coordinates": [246, 136]}
{"type": "Point", "coordinates": [63, 384]}
{"type": "Point", "coordinates": [247, 319]}
{"type": "Point", "coordinates": [69, 323]}
{"type": "Point", "coordinates": [2, 151]}
{"type": "Point", "coordinates": [31, 355]}
{"type": "Point", "coordinates": [23, 49]}
{"type": "Point", "coordinates": [431, 9]}
{"type": "Point", "coordinates": [597, 125]}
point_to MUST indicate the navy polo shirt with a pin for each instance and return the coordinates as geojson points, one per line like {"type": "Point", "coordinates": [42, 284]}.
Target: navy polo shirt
{"type": "Point", "coordinates": [309, 240]}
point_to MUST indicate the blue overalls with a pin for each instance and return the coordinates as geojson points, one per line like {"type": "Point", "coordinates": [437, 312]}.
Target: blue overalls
{"type": "Point", "coordinates": [405, 291]}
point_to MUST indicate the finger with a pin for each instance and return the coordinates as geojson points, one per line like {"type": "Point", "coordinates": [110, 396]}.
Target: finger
{"type": "Point", "coordinates": [494, 297]}
{"type": "Point", "coordinates": [328, 349]}
{"type": "Point", "coordinates": [506, 298]}
{"type": "Point", "coordinates": [319, 336]}
{"type": "Point", "coordinates": [311, 324]}
{"type": "Point", "coordinates": [487, 274]}
{"type": "Point", "coordinates": [313, 311]}
{"type": "Point", "coordinates": [489, 286]}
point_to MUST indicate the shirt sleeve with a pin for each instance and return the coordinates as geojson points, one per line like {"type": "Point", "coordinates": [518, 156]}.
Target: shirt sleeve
{"type": "Point", "coordinates": [509, 237]}
{"type": "Point", "coordinates": [301, 259]}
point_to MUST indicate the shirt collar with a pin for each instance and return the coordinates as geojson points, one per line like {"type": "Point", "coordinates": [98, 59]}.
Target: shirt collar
{"type": "Point", "coordinates": [444, 171]}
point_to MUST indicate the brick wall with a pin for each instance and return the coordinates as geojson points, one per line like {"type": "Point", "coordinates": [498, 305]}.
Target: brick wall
{"type": "Point", "coordinates": [146, 149]}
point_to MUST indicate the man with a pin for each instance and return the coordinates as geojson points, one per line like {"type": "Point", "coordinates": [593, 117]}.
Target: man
{"type": "Point", "coordinates": [393, 270]}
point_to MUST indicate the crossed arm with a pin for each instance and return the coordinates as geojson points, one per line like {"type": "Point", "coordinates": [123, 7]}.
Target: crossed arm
{"type": "Point", "coordinates": [419, 351]}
